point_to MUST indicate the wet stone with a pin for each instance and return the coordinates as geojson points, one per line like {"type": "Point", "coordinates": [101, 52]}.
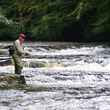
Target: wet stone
{"type": "Point", "coordinates": [10, 80]}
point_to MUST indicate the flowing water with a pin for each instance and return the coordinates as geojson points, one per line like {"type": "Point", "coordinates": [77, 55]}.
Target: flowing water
{"type": "Point", "coordinates": [60, 76]}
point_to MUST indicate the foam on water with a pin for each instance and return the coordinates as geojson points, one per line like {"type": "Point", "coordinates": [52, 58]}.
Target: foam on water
{"type": "Point", "coordinates": [80, 66]}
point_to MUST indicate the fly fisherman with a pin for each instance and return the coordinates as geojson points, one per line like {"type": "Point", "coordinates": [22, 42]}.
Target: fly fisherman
{"type": "Point", "coordinates": [17, 54]}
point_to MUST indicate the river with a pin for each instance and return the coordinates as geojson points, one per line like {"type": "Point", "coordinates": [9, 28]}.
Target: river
{"type": "Point", "coordinates": [60, 76]}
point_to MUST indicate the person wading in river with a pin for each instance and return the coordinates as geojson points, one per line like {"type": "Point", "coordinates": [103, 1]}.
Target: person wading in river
{"type": "Point", "coordinates": [17, 54]}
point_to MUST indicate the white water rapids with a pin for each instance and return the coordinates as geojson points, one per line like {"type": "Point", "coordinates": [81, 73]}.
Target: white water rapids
{"type": "Point", "coordinates": [76, 77]}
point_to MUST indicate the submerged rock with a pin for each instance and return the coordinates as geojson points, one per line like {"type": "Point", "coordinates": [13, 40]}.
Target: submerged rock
{"type": "Point", "coordinates": [36, 64]}
{"type": "Point", "coordinates": [5, 62]}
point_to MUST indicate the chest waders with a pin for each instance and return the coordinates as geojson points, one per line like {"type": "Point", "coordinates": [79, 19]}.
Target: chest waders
{"type": "Point", "coordinates": [18, 64]}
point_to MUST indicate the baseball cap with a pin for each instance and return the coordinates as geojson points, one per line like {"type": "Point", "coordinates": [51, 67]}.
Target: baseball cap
{"type": "Point", "coordinates": [22, 35]}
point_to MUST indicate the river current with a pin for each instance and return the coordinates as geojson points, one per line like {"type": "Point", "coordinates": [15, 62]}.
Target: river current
{"type": "Point", "coordinates": [60, 76]}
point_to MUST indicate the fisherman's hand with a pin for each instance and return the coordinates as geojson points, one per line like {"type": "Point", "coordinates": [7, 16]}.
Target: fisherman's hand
{"type": "Point", "coordinates": [28, 54]}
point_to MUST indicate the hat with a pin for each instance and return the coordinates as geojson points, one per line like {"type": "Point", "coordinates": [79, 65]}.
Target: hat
{"type": "Point", "coordinates": [22, 35]}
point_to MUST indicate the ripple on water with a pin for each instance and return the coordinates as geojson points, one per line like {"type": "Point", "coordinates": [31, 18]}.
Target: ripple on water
{"type": "Point", "coordinates": [74, 77]}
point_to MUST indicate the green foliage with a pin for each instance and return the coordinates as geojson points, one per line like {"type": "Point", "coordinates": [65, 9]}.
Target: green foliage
{"type": "Point", "coordinates": [8, 28]}
{"type": "Point", "coordinates": [51, 19]}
